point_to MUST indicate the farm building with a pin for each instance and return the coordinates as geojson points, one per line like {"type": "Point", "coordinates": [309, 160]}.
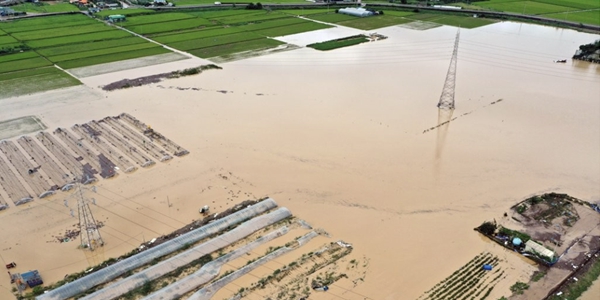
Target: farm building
{"type": "Point", "coordinates": [356, 12]}
{"type": "Point", "coordinates": [32, 278]}
{"type": "Point", "coordinates": [116, 18]}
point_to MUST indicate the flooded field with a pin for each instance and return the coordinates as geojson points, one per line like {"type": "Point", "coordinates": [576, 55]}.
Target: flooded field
{"type": "Point", "coordinates": [340, 138]}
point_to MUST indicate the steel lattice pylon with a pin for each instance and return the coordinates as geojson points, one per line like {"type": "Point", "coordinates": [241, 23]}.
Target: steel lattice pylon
{"type": "Point", "coordinates": [447, 97]}
{"type": "Point", "coordinates": [90, 235]}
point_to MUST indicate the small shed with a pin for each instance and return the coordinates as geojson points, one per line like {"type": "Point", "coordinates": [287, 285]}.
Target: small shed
{"type": "Point", "coordinates": [356, 12]}
{"type": "Point", "coordinates": [32, 278]}
{"type": "Point", "coordinates": [533, 247]}
{"type": "Point", "coordinates": [116, 18]}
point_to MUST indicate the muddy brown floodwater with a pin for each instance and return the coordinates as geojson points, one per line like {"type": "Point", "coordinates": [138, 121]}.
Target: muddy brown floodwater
{"type": "Point", "coordinates": [338, 138]}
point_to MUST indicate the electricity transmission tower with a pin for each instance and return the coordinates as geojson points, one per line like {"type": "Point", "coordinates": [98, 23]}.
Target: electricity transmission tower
{"type": "Point", "coordinates": [89, 233]}
{"type": "Point", "coordinates": [447, 97]}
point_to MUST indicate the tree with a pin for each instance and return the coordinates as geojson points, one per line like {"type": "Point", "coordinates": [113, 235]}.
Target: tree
{"type": "Point", "coordinates": [487, 228]}
{"type": "Point", "coordinates": [404, 1]}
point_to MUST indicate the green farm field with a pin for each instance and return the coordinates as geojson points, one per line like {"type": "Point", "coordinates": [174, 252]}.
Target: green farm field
{"type": "Point", "coordinates": [452, 20]}
{"type": "Point", "coordinates": [42, 7]}
{"type": "Point", "coordinates": [332, 17]}
{"type": "Point", "coordinates": [89, 61]}
{"type": "Point", "coordinates": [52, 32]}
{"type": "Point", "coordinates": [291, 29]}
{"type": "Point", "coordinates": [197, 34]}
{"type": "Point", "coordinates": [23, 64]}
{"type": "Point", "coordinates": [74, 39]}
{"type": "Point", "coordinates": [5, 39]}
{"type": "Point", "coordinates": [81, 47]}
{"type": "Point", "coordinates": [155, 18]}
{"type": "Point", "coordinates": [335, 44]}
{"type": "Point", "coordinates": [374, 22]}
{"type": "Point", "coordinates": [215, 41]}
{"type": "Point", "coordinates": [17, 56]}
{"type": "Point", "coordinates": [99, 52]}
{"type": "Point", "coordinates": [34, 81]}
{"type": "Point", "coordinates": [229, 49]}
{"type": "Point", "coordinates": [127, 12]}
{"type": "Point", "coordinates": [169, 26]}
{"type": "Point", "coordinates": [586, 17]}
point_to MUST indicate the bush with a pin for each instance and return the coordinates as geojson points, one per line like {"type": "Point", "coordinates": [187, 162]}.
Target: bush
{"type": "Point", "coordinates": [487, 228]}
{"type": "Point", "coordinates": [519, 287]}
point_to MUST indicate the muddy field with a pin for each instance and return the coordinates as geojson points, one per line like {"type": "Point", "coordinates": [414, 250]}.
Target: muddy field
{"type": "Point", "coordinates": [39, 167]}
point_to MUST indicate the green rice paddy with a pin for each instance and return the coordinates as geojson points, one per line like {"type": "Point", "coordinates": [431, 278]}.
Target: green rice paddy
{"type": "Point", "coordinates": [339, 43]}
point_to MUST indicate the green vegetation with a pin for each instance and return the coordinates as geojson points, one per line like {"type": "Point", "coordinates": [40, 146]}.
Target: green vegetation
{"type": "Point", "coordinates": [291, 29]}
{"type": "Point", "coordinates": [582, 11]}
{"type": "Point", "coordinates": [127, 12]}
{"type": "Point", "coordinates": [333, 17]}
{"type": "Point", "coordinates": [42, 7]}
{"type": "Point", "coordinates": [576, 289]}
{"type": "Point", "coordinates": [538, 275]}
{"type": "Point", "coordinates": [84, 38]}
{"type": "Point", "coordinates": [468, 282]}
{"type": "Point", "coordinates": [59, 50]}
{"type": "Point", "coordinates": [104, 51]}
{"type": "Point", "coordinates": [586, 17]}
{"type": "Point", "coordinates": [34, 81]}
{"type": "Point", "coordinates": [169, 26]}
{"type": "Point", "coordinates": [197, 34]}
{"type": "Point", "coordinates": [519, 288]}
{"type": "Point", "coordinates": [195, 2]}
{"type": "Point", "coordinates": [228, 49]}
{"type": "Point", "coordinates": [5, 39]}
{"type": "Point", "coordinates": [155, 18]}
{"type": "Point", "coordinates": [374, 22]}
{"type": "Point", "coordinates": [53, 32]}
{"type": "Point", "coordinates": [339, 43]}
{"type": "Point", "coordinates": [513, 233]}
{"type": "Point", "coordinates": [111, 58]}
{"type": "Point", "coordinates": [214, 41]}
{"type": "Point", "coordinates": [23, 64]}
{"type": "Point", "coordinates": [17, 56]}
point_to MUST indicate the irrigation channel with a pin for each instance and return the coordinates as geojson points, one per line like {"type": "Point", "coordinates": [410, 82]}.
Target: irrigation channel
{"type": "Point", "coordinates": [206, 293]}
{"type": "Point", "coordinates": [76, 168]}
{"type": "Point", "coordinates": [12, 185]}
{"type": "Point", "coordinates": [25, 168]}
{"type": "Point", "coordinates": [111, 272]}
{"type": "Point", "coordinates": [92, 137]}
{"type": "Point", "coordinates": [182, 259]}
{"type": "Point", "coordinates": [46, 163]}
{"type": "Point", "coordinates": [153, 135]}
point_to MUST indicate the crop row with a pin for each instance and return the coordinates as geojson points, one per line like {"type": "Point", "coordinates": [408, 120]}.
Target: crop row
{"type": "Point", "coordinates": [6, 39]}
{"type": "Point", "coordinates": [23, 64]}
{"type": "Point", "coordinates": [156, 18]}
{"type": "Point", "coordinates": [111, 57]}
{"type": "Point", "coordinates": [169, 26]}
{"type": "Point", "coordinates": [17, 56]}
{"type": "Point", "coordinates": [215, 41]}
{"type": "Point", "coordinates": [229, 49]}
{"type": "Point", "coordinates": [53, 32]}
{"type": "Point", "coordinates": [74, 39]}
{"type": "Point", "coordinates": [49, 21]}
{"type": "Point", "coordinates": [66, 25]}
{"type": "Point", "coordinates": [72, 48]}
{"type": "Point", "coordinates": [196, 34]}
{"type": "Point", "coordinates": [87, 54]}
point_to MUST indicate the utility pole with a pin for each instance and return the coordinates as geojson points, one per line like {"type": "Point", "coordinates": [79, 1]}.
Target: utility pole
{"type": "Point", "coordinates": [447, 97]}
{"type": "Point", "coordinates": [89, 233]}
